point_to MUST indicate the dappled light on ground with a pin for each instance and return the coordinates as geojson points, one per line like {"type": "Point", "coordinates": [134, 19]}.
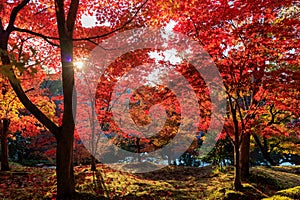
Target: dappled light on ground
{"type": "Point", "coordinates": [168, 183]}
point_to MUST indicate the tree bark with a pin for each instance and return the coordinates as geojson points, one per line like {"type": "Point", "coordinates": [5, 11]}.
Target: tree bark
{"type": "Point", "coordinates": [64, 154]}
{"type": "Point", "coordinates": [236, 143]}
{"type": "Point", "coordinates": [244, 157]}
{"type": "Point", "coordinates": [138, 149]}
{"type": "Point", "coordinates": [4, 145]}
{"type": "Point", "coordinates": [64, 170]}
{"type": "Point", "coordinates": [264, 151]}
{"type": "Point", "coordinates": [237, 170]}
{"type": "Point", "coordinates": [64, 167]}
{"type": "Point", "coordinates": [93, 163]}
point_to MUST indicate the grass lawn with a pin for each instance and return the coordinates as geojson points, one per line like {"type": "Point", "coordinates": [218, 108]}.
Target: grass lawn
{"type": "Point", "coordinates": [167, 183]}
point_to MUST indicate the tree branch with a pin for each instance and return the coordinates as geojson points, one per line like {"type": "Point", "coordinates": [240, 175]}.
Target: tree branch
{"type": "Point", "coordinates": [14, 14]}
{"type": "Point", "coordinates": [116, 30]}
{"type": "Point", "coordinates": [60, 16]}
{"type": "Point", "coordinates": [71, 18]}
{"type": "Point", "coordinates": [30, 106]}
{"type": "Point", "coordinates": [69, 22]}
{"type": "Point", "coordinates": [1, 25]}
{"type": "Point", "coordinates": [45, 37]}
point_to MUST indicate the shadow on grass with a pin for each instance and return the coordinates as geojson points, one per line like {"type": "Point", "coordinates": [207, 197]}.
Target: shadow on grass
{"type": "Point", "coordinates": [91, 185]}
{"type": "Point", "coordinates": [178, 173]}
{"type": "Point", "coordinates": [269, 180]}
{"type": "Point", "coordinates": [88, 196]}
{"type": "Point", "coordinates": [99, 183]}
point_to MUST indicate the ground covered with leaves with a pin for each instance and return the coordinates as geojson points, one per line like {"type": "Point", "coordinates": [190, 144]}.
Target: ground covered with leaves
{"type": "Point", "coordinates": [168, 183]}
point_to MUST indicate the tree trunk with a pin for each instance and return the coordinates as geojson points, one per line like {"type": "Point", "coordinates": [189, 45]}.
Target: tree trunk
{"type": "Point", "coordinates": [64, 154]}
{"type": "Point", "coordinates": [237, 169]}
{"type": "Point", "coordinates": [264, 150]}
{"type": "Point", "coordinates": [5, 122]}
{"type": "Point", "coordinates": [236, 143]}
{"type": "Point", "coordinates": [4, 145]}
{"type": "Point", "coordinates": [169, 159]}
{"type": "Point", "coordinates": [244, 157]}
{"type": "Point", "coordinates": [138, 149]}
{"type": "Point", "coordinates": [64, 167]}
{"type": "Point", "coordinates": [93, 163]}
